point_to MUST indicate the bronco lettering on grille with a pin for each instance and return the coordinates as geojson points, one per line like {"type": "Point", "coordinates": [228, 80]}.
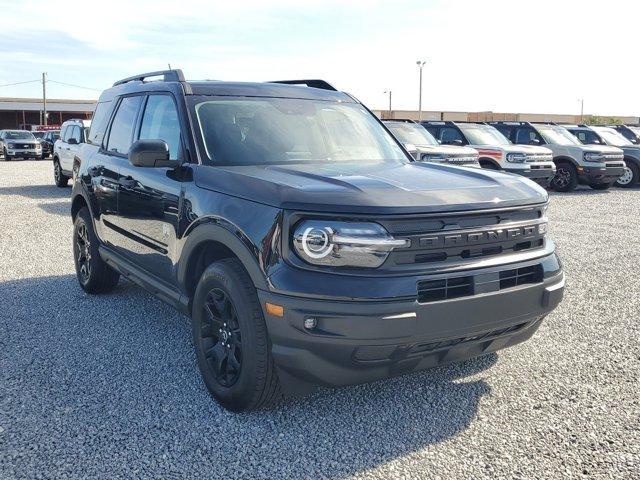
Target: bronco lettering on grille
{"type": "Point", "coordinates": [471, 238]}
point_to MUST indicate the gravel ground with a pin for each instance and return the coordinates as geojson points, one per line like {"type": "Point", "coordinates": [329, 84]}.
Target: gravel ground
{"type": "Point", "coordinates": [107, 386]}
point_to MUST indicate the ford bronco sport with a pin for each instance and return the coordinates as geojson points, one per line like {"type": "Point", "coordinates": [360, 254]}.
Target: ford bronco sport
{"type": "Point", "coordinates": [425, 148]}
{"type": "Point", "coordinates": [596, 166]}
{"type": "Point", "coordinates": [305, 243]}
{"type": "Point", "coordinates": [609, 136]}
{"type": "Point", "coordinates": [496, 152]}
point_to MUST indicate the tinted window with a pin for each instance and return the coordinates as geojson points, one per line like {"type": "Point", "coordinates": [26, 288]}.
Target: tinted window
{"type": "Point", "coordinates": [526, 136]}
{"type": "Point", "coordinates": [160, 122]}
{"type": "Point", "coordinates": [99, 123]}
{"type": "Point", "coordinates": [587, 137]}
{"type": "Point", "coordinates": [122, 125]}
{"type": "Point", "coordinates": [449, 135]}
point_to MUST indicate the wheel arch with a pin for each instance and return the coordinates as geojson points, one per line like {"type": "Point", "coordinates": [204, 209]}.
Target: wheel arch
{"type": "Point", "coordinates": [631, 159]}
{"type": "Point", "coordinates": [488, 160]}
{"type": "Point", "coordinates": [565, 159]}
{"type": "Point", "coordinates": [210, 242]}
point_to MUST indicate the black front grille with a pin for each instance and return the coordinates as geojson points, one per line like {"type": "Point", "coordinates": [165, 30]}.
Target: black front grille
{"type": "Point", "coordinates": [520, 276]}
{"type": "Point", "coordinates": [444, 289]}
{"type": "Point", "coordinates": [458, 238]}
{"type": "Point", "coordinates": [466, 286]}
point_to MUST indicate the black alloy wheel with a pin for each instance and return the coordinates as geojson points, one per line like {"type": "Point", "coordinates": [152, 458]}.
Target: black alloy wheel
{"type": "Point", "coordinates": [221, 337]}
{"type": "Point", "coordinates": [83, 253]}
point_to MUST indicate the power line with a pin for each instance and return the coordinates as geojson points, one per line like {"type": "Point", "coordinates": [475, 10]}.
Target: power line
{"type": "Point", "coordinates": [19, 83]}
{"type": "Point", "coordinates": [72, 85]}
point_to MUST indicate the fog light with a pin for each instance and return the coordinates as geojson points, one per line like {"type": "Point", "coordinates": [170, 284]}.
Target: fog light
{"type": "Point", "coordinates": [310, 323]}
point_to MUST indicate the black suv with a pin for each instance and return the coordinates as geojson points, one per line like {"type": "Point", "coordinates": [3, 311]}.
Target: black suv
{"type": "Point", "coordinates": [302, 239]}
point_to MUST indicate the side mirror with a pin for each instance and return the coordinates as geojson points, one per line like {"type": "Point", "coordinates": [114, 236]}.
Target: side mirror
{"type": "Point", "coordinates": [150, 153]}
{"type": "Point", "coordinates": [72, 141]}
{"type": "Point", "coordinates": [534, 141]}
{"type": "Point", "coordinates": [456, 142]}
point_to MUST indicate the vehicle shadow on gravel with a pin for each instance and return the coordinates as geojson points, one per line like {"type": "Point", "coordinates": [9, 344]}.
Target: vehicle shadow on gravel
{"type": "Point", "coordinates": [108, 384]}
{"type": "Point", "coordinates": [37, 192]}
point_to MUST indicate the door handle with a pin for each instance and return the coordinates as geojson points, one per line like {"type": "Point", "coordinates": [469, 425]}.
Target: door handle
{"type": "Point", "coordinates": [127, 182]}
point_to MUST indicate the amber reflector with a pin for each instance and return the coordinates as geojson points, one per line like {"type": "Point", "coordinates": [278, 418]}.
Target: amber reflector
{"type": "Point", "coordinates": [275, 310]}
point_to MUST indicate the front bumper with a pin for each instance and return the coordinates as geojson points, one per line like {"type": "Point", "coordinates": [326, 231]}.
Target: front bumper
{"type": "Point", "coordinates": [600, 173]}
{"type": "Point", "coordinates": [365, 340]}
{"type": "Point", "coordinates": [542, 173]}
{"type": "Point", "coordinates": [23, 153]}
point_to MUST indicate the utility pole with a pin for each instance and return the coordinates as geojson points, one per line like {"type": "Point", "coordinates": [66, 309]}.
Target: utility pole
{"type": "Point", "coordinates": [44, 98]}
{"type": "Point", "coordinates": [389, 92]}
{"type": "Point", "coordinates": [582, 110]}
{"type": "Point", "coordinates": [420, 64]}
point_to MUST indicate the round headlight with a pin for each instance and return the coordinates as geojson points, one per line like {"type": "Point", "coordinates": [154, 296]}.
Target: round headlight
{"type": "Point", "coordinates": [344, 244]}
{"type": "Point", "coordinates": [316, 243]}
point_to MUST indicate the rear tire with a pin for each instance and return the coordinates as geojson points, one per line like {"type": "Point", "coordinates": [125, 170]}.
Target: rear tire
{"type": "Point", "coordinates": [231, 339]}
{"type": "Point", "coordinates": [94, 275]}
{"type": "Point", "coordinates": [566, 179]}
{"type": "Point", "coordinates": [630, 177]}
{"type": "Point", "coordinates": [60, 179]}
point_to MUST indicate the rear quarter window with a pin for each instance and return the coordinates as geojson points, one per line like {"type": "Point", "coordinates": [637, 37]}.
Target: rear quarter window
{"type": "Point", "coordinates": [99, 123]}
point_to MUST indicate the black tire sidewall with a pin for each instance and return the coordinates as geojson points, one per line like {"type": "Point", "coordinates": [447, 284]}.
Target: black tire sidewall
{"type": "Point", "coordinates": [573, 181]}
{"type": "Point", "coordinates": [84, 216]}
{"type": "Point", "coordinates": [254, 350]}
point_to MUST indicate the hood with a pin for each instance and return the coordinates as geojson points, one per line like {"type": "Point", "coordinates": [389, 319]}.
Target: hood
{"type": "Point", "coordinates": [516, 148]}
{"type": "Point", "coordinates": [372, 189]}
{"type": "Point", "coordinates": [601, 149]}
{"type": "Point", "coordinates": [448, 150]}
{"type": "Point", "coordinates": [631, 150]}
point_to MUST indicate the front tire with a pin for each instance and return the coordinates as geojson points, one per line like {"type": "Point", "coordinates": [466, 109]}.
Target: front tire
{"type": "Point", "coordinates": [566, 179]}
{"type": "Point", "coordinates": [231, 339]}
{"type": "Point", "coordinates": [59, 178]}
{"type": "Point", "coordinates": [94, 275]}
{"type": "Point", "coordinates": [630, 177]}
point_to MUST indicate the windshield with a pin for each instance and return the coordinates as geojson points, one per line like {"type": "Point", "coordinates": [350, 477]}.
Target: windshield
{"type": "Point", "coordinates": [264, 131]}
{"type": "Point", "coordinates": [38, 134]}
{"type": "Point", "coordinates": [612, 137]}
{"type": "Point", "coordinates": [483, 135]}
{"type": "Point", "coordinates": [556, 135]}
{"type": "Point", "coordinates": [17, 135]}
{"type": "Point", "coordinates": [411, 133]}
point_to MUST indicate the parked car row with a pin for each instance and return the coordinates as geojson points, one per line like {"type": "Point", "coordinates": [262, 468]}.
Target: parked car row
{"type": "Point", "coordinates": [556, 156]}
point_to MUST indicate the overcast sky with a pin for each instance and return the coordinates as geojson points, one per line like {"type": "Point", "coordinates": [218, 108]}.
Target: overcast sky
{"type": "Point", "coordinates": [537, 56]}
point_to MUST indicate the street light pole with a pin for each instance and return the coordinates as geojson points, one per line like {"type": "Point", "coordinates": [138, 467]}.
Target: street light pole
{"type": "Point", "coordinates": [420, 64]}
{"type": "Point", "coordinates": [44, 98]}
{"type": "Point", "coordinates": [389, 92]}
{"type": "Point", "coordinates": [582, 110]}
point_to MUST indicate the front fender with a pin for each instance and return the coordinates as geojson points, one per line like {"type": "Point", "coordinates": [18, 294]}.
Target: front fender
{"type": "Point", "coordinates": [216, 230]}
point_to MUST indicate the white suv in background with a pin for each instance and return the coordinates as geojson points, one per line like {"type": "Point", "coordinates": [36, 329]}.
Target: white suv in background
{"type": "Point", "coordinates": [598, 166]}
{"type": "Point", "coordinates": [425, 148]}
{"type": "Point", "coordinates": [495, 151]}
{"type": "Point", "coordinates": [72, 134]}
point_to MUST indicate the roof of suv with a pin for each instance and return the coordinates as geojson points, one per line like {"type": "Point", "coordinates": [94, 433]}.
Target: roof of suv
{"type": "Point", "coordinates": [173, 80]}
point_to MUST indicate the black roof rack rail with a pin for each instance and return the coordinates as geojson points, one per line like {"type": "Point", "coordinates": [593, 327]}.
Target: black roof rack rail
{"type": "Point", "coordinates": [313, 83]}
{"type": "Point", "coordinates": [168, 76]}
